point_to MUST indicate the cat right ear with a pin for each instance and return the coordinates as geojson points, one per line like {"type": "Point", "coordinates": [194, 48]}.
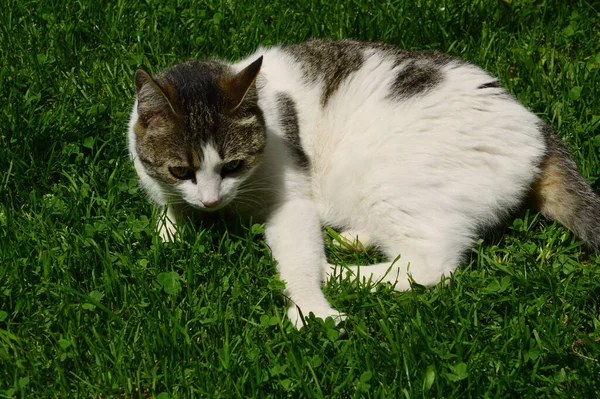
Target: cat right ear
{"type": "Point", "coordinates": [238, 85]}
{"type": "Point", "coordinates": [152, 99]}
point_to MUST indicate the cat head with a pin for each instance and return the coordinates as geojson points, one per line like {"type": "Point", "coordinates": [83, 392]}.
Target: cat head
{"type": "Point", "coordinates": [199, 131]}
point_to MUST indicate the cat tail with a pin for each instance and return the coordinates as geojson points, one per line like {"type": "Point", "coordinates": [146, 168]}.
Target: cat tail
{"type": "Point", "coordinates": [562, 194]}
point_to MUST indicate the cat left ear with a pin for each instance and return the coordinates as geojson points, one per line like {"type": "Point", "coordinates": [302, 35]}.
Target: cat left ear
{"type": "Point", "coordinates": [152, 99]}
{"type": "Point", "coordinates": [237, 86]}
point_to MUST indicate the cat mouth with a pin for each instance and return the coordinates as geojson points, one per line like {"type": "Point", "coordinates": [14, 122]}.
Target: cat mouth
{"type": "Point", "coordinates": [213, 209]}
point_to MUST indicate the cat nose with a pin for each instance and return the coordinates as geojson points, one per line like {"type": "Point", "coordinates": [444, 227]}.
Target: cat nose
{"type": "Point", "coordinates": [211, 204]}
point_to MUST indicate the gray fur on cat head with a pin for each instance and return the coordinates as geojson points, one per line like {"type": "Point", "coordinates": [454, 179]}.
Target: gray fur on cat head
{"type": "Point", "coordinates": [194, 104]}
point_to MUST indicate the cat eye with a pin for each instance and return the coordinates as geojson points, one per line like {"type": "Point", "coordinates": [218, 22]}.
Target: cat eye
{"type": "Point", "coordinates": [182, 173]}
{"type": "Point", "coordinates": [232, 166]}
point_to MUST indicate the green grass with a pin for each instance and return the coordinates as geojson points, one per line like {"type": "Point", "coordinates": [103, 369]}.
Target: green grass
{"type": "Point", "coordinates": [92, 304]}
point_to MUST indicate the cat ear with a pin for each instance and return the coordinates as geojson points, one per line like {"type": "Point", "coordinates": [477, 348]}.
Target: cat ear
{"type": "Point", "coordinates": [152, 100]}
{"type": "Point", "coordinates": [238, 85]}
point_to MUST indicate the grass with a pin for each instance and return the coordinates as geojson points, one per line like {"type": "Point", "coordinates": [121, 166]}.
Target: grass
{"type": "Point", "coordinates": [92, 304]}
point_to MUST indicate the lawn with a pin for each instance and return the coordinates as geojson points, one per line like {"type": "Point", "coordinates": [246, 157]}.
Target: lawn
{"type": "Point", "coordinates": [93, 304]}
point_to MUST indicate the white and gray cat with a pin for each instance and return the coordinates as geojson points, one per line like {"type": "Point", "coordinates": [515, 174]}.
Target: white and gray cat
{"type": "Point", "coordinates": [414, 152]}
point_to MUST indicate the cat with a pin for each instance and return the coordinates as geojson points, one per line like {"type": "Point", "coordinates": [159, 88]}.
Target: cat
{"type": "Point", "coordinates": [414, 152]}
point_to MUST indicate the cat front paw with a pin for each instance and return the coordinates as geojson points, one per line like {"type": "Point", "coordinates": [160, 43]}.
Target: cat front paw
{"type": "Point", "coordinates": [166, 230]}
{"type": "Point", "coordinates": [353, 241]}
{"type": "Point", "coordinates": [294, 314]}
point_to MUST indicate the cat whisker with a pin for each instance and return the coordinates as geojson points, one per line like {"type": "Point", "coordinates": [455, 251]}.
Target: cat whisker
{"type": "Point", "coordinates": [250, 199]}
